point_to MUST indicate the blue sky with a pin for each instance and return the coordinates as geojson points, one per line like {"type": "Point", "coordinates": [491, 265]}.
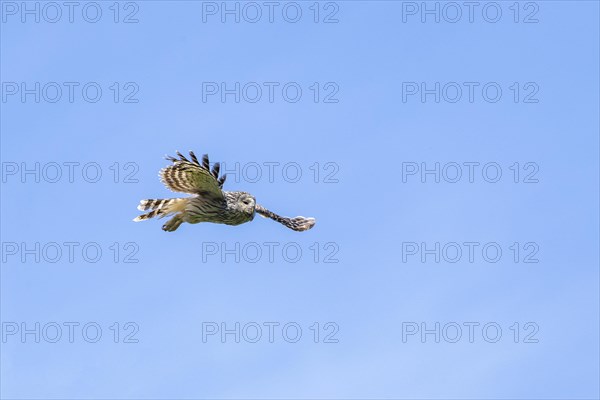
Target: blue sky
{"type": "Point", "coordinates": [378, 226]}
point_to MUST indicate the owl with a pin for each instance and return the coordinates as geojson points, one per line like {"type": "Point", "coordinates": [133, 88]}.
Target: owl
{"type": "Point", "coordinates": [209, 202]}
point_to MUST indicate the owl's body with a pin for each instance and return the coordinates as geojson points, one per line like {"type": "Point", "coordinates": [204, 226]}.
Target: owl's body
{"type": "Point", "coordinates": [209, 202]}
{"type": "Point", "coordinates": [236, 209]}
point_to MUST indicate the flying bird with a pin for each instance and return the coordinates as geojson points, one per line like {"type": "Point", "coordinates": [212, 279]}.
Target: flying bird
{"type": "Point", "coordinates": [209, 202]}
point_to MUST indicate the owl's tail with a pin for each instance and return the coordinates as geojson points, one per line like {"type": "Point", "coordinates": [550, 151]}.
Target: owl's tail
{"type": "Point", "coordinates": [160, 208]}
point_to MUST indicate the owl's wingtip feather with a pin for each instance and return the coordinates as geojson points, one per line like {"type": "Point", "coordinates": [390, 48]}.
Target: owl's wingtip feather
{"type": "Point", "coordinates": [306, 224]}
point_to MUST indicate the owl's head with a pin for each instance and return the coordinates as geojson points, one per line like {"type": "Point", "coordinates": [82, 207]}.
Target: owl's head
{"type": "Point", "coordinates": [246, 203]}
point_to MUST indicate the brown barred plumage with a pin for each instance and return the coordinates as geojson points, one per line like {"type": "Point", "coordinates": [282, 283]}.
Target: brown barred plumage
{"type": "Point", "coordinates": [209, 202]}
{"type": "Point", "coordinates": [298, 223]}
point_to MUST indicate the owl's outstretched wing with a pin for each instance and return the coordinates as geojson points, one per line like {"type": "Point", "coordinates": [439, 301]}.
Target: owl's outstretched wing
{"type": "Point", "coordinates": [191, 176]}
{"type": "Point", "coordinates": [298, 223]}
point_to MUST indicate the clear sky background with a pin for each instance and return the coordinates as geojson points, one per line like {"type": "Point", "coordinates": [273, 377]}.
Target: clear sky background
{"type": "Point", "coordinates": [366, 215]}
